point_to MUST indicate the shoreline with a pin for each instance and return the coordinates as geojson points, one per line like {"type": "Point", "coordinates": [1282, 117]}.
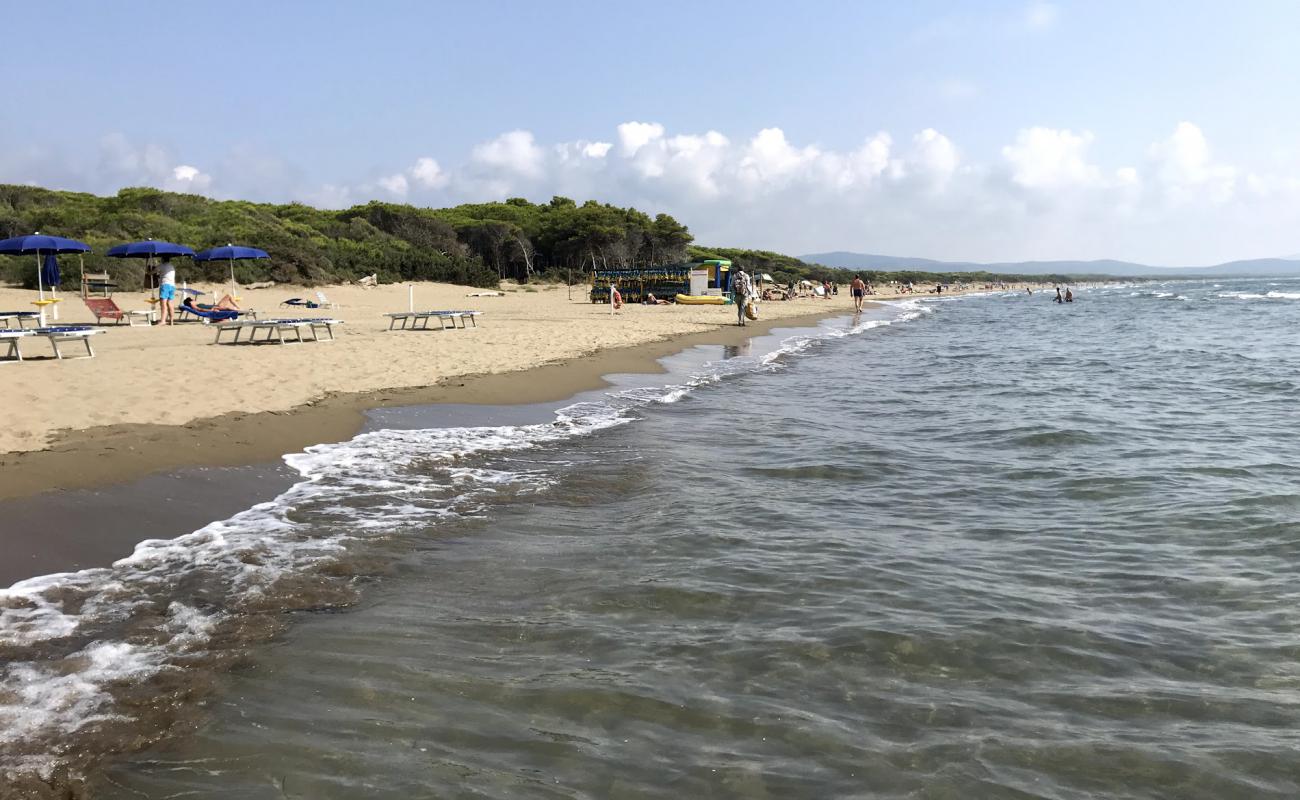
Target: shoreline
{"type": "Point", "coordinates": [107, 455]}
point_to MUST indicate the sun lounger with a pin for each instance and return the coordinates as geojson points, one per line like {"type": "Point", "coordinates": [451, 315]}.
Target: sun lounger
{"type": "Point", "coordinates": [9, 337]}
{"type": "Point", "coordinates": [104, 308]}
{"type": "Point", "coordinates": [419, 320]}
{"type": "Point", "coordinates": [210, 314]}
{"type": "Point", "coordinates": [19, 317]}
{"type": "Point", "coordinates": [69, 333]}
{"type": "Point", "coordinates": [274, 329]}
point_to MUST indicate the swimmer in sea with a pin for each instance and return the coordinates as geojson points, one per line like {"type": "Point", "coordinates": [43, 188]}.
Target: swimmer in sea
{"type": "Point", "coordinates": [1058, 297]}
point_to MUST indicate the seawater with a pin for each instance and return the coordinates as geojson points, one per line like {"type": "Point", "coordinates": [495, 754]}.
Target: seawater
{"type": "Point", "coordinates": [982, 547]}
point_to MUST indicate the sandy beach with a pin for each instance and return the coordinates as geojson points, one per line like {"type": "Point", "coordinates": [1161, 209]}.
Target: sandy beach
{"type": "Point", "coordinates": [163, 397]}
{"type": "Point", "coordinates": [159, 397]}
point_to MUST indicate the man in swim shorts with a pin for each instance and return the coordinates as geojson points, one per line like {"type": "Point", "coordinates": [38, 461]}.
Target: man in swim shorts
{"type": "Point", "coordinates": [859, 291]}
{"type": "Point", "coordinates": [166, 291]}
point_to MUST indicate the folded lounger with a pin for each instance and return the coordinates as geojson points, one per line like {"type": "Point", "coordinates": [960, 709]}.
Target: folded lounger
{"type": "Point", "coordinates": [69, 333]}
{"type": "Point", "coordinates": [277, 327]}
{"type": "Point", "coordinates": [9, 337]}
{"type": "Point", "coordinates": [419, 320]}
{"type": "Point", "coordinates": [20, 317]}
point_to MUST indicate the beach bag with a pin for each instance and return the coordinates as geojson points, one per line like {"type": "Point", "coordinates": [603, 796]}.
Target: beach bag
{"type": "Point", "coordinates": [751, 309]}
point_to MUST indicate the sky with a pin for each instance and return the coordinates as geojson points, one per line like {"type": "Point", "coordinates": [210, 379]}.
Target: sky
{"type": "Point", "coordinates": [1159, 132]}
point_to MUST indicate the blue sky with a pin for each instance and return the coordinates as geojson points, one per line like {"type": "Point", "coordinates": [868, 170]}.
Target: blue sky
{"type": "Point", "coordinates": [1163, 132]}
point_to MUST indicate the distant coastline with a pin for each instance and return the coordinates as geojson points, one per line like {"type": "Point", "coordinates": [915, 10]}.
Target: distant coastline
{"type": "Point", "coordinates": [1106, 268]}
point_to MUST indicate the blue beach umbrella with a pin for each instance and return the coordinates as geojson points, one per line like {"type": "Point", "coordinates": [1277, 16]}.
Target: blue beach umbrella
{"type": "Point", "coordinates": [231, 253]}
{"type": "Point", "coordinates": [147, 249]}
{"type": "Point", "coordinates": [39, 245]}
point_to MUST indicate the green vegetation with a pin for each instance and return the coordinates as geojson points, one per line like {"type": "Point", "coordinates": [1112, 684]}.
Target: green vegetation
{"type": "Point", "coordinates": [474, 244]}
{"type": "Point", "coordinates": [470, 244]}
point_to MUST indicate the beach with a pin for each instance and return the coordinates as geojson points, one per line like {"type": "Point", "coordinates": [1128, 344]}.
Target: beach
{"type": "Point", "coordinates": [166, 397]}
{"type": "Point", "coordinates": [906, 552]}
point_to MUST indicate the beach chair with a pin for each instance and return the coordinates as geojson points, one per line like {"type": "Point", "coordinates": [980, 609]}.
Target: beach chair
{"type": "Point", "coordinates": [419, 320]}
{"type": "Point", "coordinates": [105, 308]}
{"type": "Point", "coordinates": [9, 337]}
{"type": "Point", "coordinates": [323, 302]}
{"type": "Point", "coordinates": [300, 302]}
{"type": "Point", "coordinates": [275, 329]}
{"type": "Point", "coordinates": [69, 333]}
{"type": "Point", "coordinates": [20, 318]}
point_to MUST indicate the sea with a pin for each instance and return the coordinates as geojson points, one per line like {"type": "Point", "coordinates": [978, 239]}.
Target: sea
{"type": "Point", "coordinates": [987, 546]}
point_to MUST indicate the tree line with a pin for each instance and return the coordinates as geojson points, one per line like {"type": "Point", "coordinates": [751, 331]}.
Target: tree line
{"type": "Point", "coordinates": [476, 244]}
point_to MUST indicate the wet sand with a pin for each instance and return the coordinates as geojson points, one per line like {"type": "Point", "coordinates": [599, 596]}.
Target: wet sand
{"type": "Point", "coordinates": [111, 454]}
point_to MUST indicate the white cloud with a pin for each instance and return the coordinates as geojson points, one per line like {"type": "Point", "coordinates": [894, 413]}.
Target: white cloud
{"type": "Point", "coordinates": [428, 173]}
{"type": "Point", "coordinates": [186, 178]}
{"type": "Point", "coordinates": [514, 152]}
{"type": "Point", "coordinates": [632, 136]}
{"type": "Point", "coordinates": [395, 184]}
{"type": "Point", "coordinates": [1184, 165]}
{"type": "Point", "coordinates": [1041, 195]}
{"type": "Point", "coordinates": [1046, 158]}
{"type": "Point", "coordinates": [934, 155]}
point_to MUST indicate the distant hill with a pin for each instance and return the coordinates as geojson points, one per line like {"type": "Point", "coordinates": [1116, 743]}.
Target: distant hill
{"type": "Point", "coordinates": [1253, 268]}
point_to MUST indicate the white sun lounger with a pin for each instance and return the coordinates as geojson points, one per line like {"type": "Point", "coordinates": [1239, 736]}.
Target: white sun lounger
{"type": "Point", "coordinates": [69, 333]}
{"type": "Point", "coordinates": [276, 328]}
{"type": "Point", "coordinates": [19, 317]}
{"type": "Point", "coordinates": [419, 320]}
{"type": "Point", "coordinates": [10, 337]}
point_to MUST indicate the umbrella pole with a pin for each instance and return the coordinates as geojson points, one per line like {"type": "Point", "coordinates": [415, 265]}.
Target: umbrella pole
{"type": "Point", "coordinates": [40, 288]}
{"type": "Point", "coordinates": [232, 277]}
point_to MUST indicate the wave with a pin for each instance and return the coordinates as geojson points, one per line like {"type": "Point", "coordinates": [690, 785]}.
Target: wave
{"type": "Point", "coordinates": [1269, 295]}
{"type": "Point", "coordinates": [92, 659]}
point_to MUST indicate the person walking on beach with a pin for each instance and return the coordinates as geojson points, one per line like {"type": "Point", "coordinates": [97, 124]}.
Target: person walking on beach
{"type": "Point", "coordinates": [166, 291]}
{"type": "Point", "coordinates": [741, 289]}
{"type": "Point", "coordinates": [859, 290]}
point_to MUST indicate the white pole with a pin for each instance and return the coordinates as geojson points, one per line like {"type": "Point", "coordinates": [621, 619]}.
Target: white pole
{"type": "Point", "coordinates": [410, 297]}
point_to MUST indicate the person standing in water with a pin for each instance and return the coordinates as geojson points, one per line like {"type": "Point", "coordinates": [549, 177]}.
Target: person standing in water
{"type": "Point", "coordinates": [741, 289]}
{"type": "Point", "coordinates": [1058, 297]}
{"type": "Point", "coordinates": [859, 291]}
{"type": "Point", "coordinates": [1069, 295]}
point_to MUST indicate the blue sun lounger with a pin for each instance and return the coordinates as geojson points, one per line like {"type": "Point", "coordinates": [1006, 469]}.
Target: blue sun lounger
{"type": "Point", "coordinates": [210, 314]}
{"type": "Point", "coordinates": [277, 328]}
{"type": "Point", "coordinates": [56, 335]}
